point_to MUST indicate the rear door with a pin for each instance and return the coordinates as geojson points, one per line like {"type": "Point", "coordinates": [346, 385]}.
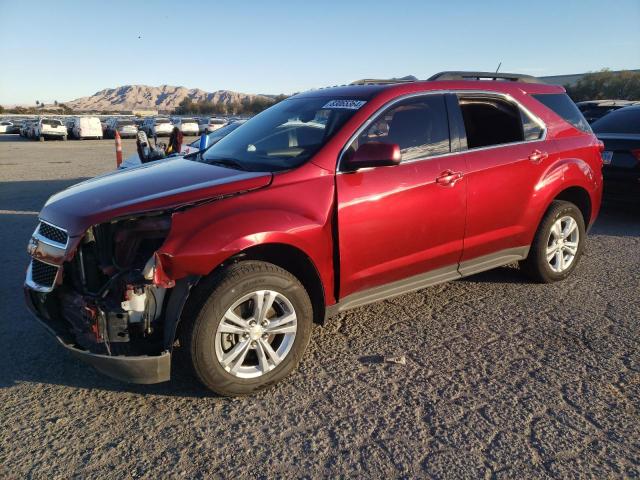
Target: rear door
{"type": "Point", "coordinates": [397, 222]}
{"type": "Point", "coordinates": [506, 155]}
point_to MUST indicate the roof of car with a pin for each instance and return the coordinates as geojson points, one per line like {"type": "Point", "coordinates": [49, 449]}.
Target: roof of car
{"type": "Point", "coordinates": [366, 91]}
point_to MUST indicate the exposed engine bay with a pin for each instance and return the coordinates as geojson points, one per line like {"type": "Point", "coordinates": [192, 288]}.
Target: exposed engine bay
{"type": "Point", "coordinates": [107, 294]}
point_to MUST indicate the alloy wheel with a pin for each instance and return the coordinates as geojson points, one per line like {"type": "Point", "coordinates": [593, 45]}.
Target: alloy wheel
{"type": "Point", "coordinates": [562, 244]}
{"type": "Point", "coordinates": [256, 334]}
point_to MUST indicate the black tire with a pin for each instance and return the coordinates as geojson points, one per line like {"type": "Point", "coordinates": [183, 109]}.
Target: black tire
{"type": "Point", "coordinates": [536, 265]}
{"type": "Point", "coordinates": [207, 306]}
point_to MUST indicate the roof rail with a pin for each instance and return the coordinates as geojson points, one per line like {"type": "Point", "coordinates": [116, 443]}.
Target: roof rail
{"type": "Point", "coordinates": [510, 77]}
{"type": "Point", "coordinates": [384, 81]}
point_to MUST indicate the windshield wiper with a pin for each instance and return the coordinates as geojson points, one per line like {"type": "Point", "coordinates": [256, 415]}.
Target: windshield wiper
{"type": "Point", "coordinates": [227, 162]}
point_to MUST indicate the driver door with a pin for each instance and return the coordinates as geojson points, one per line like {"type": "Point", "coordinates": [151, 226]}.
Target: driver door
{"type": "Point", "coordinates": [401, 221]}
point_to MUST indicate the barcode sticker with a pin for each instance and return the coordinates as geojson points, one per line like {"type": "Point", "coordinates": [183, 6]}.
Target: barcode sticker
{"type": "Point", "coordinates": [348, 104]}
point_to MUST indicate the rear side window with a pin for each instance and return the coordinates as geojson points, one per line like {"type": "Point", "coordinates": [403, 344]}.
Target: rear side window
{"type": "Point", "coordinates": [419, 126]}
{"type": "Point", "coordinates": [563, 106]}
{"type": "Point", "coordinates": [626, 120]}
{"type": "Point", "coordinates": [492, 121]}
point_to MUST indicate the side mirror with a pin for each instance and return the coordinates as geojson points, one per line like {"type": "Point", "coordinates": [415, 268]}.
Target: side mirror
{"type": "Point", "coordinates": [375, 154]}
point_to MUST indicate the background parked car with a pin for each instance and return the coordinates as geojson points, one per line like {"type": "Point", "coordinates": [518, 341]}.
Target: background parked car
{"type": "Point", "coordinates": [620, 132]}
{"type": "Point", "coordinates": [208, 125]}
{"type": "Point", "coordinates": [157, 126]}
{"type": "Point", "coordinates": [48, 128]}
{"type": "Point", "coordinates": [124, 126]}
{"type": "Point", "coordinates": [596, 109]}
{"type": "Point", "coordinates": [25, 128]}
{"type": "Point", "coordinates": [6, 126]}
{"type": "Point", "coordinates": [188, 126]}
{"type": "Point", "coordinates": [86, 127]}
{"type": "Point", "coordinates": [68, 122]}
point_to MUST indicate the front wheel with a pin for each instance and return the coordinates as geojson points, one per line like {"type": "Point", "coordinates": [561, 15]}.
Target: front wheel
{"type": "Point", "coordinates": [558, 244]}
{"type": "Point", "coordinates": [249, 327]}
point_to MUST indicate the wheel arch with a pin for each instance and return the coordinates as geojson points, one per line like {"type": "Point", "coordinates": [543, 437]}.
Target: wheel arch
{"type": "Point", "coordinates": [285, 256]}
{"type": "Point", "coordinates": [296, 262]}
{"type": "Point", "coordinates": [580, 197]}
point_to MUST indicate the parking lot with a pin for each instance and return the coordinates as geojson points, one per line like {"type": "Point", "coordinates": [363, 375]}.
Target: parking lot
{"type": "Point", "coordinates": [503, 378]}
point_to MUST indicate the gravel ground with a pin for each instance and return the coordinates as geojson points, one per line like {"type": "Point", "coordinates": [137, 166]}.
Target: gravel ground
{"type": "Point", "coordinates": [503, 379]}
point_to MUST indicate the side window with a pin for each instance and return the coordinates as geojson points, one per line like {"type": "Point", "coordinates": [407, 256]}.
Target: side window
{"type": "Point", "coordinates": [419, 126]}
{"type": "Point", "coordinates": [491, 121]}
{"type": "Point", "coordinates": [530, 128]}
{"type": "Point", "coordinates": [563, 106]}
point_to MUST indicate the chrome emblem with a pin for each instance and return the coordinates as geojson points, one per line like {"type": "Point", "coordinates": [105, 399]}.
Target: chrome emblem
{"type": "Point", "coordinates": [32, 247]}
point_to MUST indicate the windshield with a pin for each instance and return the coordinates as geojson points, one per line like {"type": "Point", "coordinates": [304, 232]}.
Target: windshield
{"type": "Point", "coordinates": [52, 123]}
{"type": "Point", "coordinates": [219, 134]}
{"type": "Point", "coordinates": [162, 120]}
{"type": "Point", "coordinates": [188, 120]}
{"type": "Point", "coordinates": [285, 135]}
{"type": "Point", "coordinates": [122, 123]}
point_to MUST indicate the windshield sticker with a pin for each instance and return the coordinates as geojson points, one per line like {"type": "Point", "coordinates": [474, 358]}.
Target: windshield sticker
{"type": "Point", "coordinates": [348, 104]}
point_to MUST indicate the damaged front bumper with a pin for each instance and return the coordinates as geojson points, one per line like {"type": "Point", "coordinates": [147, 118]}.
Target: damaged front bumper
{"type": "Point", "coordinates": [145, 369]}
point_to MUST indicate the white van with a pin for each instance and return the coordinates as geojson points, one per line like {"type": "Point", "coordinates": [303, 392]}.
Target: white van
{"type": "Point", "coordinates": [86, 127]}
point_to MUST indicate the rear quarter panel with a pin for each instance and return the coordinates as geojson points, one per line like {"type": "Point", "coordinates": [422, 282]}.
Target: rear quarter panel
{"type": "Point", "coordinates": [577, 163]}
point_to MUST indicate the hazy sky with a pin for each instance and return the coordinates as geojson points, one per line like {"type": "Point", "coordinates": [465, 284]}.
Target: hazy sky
{"type": "Point", "coordinates": [60, 50]}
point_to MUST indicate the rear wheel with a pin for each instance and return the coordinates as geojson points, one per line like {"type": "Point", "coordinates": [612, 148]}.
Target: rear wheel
{"type": "Point", "coordinates": [558, 244]}
{"type": "Point", "coordinates": [249, 327]}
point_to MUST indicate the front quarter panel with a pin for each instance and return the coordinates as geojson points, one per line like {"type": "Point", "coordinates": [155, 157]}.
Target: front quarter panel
{"type": "Point", "coordinates": [294, 210]}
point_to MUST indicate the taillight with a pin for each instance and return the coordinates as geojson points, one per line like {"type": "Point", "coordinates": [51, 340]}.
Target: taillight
{"type": "Point", "coordinates": [636, 153]}
{"type": "Point", "coordinates": [601, 145]}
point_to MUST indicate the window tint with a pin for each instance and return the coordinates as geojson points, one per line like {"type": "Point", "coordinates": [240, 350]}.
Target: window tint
{"type": "Point", "coordinates": [626, 120]}
{"type": "Point", "coordinates": [418, 125]}
{"type": "Point", "coordinates": [563, 106]}
{"type": "Point", "coordinates": [491, 121]}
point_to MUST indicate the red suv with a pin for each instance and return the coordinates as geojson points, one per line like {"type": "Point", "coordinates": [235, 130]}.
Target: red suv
{"type": "Point", "coordinates": [332, 199]}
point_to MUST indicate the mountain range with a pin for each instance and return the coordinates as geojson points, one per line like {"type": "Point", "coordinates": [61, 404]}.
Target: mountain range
{"type": "Point", "coordinates": [164, 97]}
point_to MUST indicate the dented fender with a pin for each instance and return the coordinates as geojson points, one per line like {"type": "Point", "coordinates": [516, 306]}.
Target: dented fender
{"type": "Point", "coordinates": [296, 211]}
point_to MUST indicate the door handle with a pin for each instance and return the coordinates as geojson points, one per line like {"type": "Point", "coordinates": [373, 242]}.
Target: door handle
{"type": "Point", "coordinates": [449, 178]}
{"type": "Point", "coordinates": [537, 156]}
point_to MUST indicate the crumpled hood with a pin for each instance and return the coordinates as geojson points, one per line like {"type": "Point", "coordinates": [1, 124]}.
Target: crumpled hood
{"type": "Point", "coordinates": [157, 185]}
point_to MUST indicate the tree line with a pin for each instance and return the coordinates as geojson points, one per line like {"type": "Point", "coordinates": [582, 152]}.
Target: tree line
{"type": "Point", "coordinates": [246, 107]}
{"type": "Point", "coordinates": [606, 85]}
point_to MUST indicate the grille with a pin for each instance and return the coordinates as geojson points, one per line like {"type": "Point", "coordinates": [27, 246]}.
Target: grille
{"type": "Point", "coordinates": [43, 273]}
{"type": "Point", "coordinates": [53, 233]}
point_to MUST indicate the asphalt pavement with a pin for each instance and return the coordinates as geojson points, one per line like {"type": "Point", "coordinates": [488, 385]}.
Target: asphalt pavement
{"type": "Point", "coordinates": [503, 378]}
